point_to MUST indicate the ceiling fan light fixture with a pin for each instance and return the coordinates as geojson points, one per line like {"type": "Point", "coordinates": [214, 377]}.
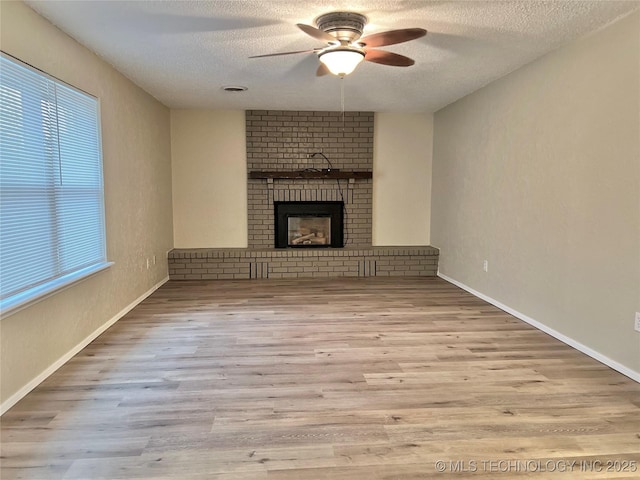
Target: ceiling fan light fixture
{"type": "Point", "coordinates": [341, 61]}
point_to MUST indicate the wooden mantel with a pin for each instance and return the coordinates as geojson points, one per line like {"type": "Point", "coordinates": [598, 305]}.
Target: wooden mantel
{"type": "Point", "coordinates": [310, 174]}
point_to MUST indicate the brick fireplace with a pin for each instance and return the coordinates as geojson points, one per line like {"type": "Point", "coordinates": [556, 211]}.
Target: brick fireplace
{"type": "Point", "coordinates": [283, 141]}
{"type": "Point", "coordinates": [307, 157]}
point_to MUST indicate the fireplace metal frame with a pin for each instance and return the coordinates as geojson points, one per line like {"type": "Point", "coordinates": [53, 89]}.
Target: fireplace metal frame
{"type": "Point", "coordinates": [284, 210]}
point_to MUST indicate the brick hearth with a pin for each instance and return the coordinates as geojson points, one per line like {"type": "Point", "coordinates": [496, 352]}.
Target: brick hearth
{"type": "Point", "coordinates": [240, 263]}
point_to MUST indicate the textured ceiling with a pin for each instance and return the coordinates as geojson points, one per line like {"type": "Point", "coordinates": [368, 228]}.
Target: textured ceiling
{"type": "Point", "coordinates": [183, 52]}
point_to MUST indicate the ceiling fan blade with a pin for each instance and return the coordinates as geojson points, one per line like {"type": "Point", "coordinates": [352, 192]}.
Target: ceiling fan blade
{"type": "Point", "coordinates": [285, 53]}
{"type": "Point", "coordinates": [388, 58]}
{"type": "Point", "coordinates": [322, 70]}
{"type": "Point", "coordinates": [317, 33]}
{"type": "Point", "coordinates": [391, 37]}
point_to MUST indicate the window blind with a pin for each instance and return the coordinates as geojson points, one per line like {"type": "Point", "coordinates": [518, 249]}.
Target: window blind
{"type": "Point", "coordinates": [51, 188]}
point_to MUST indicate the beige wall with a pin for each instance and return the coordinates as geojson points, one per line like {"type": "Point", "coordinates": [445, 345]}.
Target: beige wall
{"type": "Point", "coordinates": [137, 177]}
{"type": "Point", "coordinates": [208, 152]}
{"type": "Point", "coordinates": [210, 178]}
{"type": "Point", "coordinates": [403, 144]}
{"type": "Point", "coordinates": [539, 173]}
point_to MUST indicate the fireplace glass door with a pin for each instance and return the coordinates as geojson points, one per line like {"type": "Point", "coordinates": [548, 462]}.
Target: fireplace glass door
{"type": "Point", "coordinates": [309, 230]}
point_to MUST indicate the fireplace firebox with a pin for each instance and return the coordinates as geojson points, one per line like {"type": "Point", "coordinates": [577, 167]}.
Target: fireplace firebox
{"type": "Point", "coordinates": [309, 224]}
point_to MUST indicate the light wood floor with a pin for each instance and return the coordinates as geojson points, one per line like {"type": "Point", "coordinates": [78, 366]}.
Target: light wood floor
{"type": "Point", "coordinates": [339, 379]}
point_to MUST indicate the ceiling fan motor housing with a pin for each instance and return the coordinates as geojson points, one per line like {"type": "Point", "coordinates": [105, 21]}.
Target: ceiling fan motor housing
{"type": "Point", "coordinates": [345, 26]}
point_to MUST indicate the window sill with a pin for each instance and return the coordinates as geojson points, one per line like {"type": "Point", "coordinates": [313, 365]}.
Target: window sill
{"type": "Point", "coordinates": [14, 304]}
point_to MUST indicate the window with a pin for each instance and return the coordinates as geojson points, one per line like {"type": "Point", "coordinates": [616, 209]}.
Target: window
{"type": "Point", "coordinates": [51, 191]}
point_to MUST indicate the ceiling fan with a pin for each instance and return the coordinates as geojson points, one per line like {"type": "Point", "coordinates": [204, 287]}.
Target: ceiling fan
{"type": "Point", "coordinates": [347, 48]}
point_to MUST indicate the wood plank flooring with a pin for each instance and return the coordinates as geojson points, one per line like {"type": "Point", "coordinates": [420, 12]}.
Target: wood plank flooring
{"type": "Point", "coordinates": [376, 379]}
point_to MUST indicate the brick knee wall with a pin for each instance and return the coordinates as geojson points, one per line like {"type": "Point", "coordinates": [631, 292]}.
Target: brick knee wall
{"type": "Point", "coordinates": [218, 264]}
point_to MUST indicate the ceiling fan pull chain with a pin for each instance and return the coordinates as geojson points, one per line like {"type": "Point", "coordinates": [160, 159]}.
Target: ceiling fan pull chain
{"type": "Point", "coordinates": [342, 99]}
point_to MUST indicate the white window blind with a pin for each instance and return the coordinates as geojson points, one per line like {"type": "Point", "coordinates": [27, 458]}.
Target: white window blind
{"type": "Point", "coordinates": [51, 190]}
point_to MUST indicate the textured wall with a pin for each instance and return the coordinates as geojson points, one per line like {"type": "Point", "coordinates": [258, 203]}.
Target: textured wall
{"type": "Point", "coordinates": [209, 161]}
{"type": "Point", "coordinates": [539, 173]}
{"type": "Point", "coordinates": [137, 177]}
{"type": "Point", "coordinates": [278, 140]}
{"type": "Point", "coordinates": [209, 167]}
{"type": "Point", "coordinates": [403, 147]}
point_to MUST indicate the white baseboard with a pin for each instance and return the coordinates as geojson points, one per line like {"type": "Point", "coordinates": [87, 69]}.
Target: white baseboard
{"type": "Point", "coordinates": [13, 399]}
{"type": "Point", "coordinates": [632, 374]}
